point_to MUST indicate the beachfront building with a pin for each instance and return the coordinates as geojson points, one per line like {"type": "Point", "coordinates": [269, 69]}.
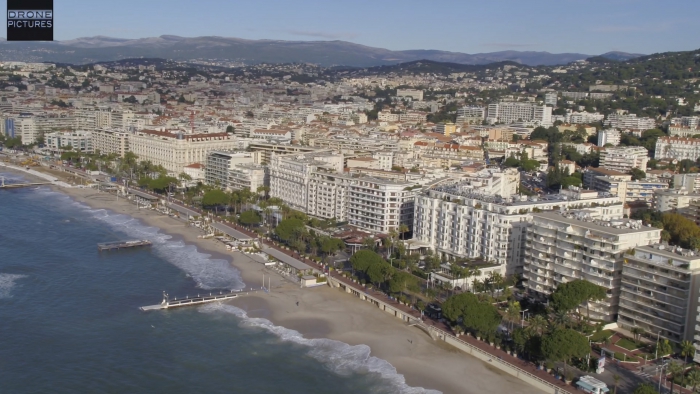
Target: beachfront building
{"type": "Point", "coordinates": [75, 141]}
{"type": "Point", "coordinates": [563, 247]}
{"type": "Point", "coordinates": [175, 150]}
{"type": "Point", "coordinates": [456, 221]}
{"type": "Point", "coordinates": [291, 174]}
{"type": "Point", "coordinates": [659, 293]}
{"type": "Point", "coordinates": [380, 205]}
{"type": "Point", "coordinates": [220, 163]}
{"type": "Point", "coordinates": [249, 176]}
{"type": "Point", "coordinates": [110, 141]}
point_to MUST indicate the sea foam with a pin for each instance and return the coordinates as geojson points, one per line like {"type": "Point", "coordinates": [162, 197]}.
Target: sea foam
{"type": "Point", "coordinates": [7, 282]}
{"type": "Point", "coordinates": [339, 357]}
{"type": "Point", "coordinates": [207, 272]}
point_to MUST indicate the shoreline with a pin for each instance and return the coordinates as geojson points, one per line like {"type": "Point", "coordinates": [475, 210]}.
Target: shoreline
{"type": "Point", "coordinates": [328, 313]}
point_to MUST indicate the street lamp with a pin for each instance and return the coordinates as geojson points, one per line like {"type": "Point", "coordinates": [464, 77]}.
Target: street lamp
{"type": "Point", "coordinates": [522, 320]}
{"type": "Point", "coordinates": [657, 346]}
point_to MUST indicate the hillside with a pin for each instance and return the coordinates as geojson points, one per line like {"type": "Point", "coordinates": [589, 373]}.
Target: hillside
{"type": "Point", "coordinates": [325, 53]}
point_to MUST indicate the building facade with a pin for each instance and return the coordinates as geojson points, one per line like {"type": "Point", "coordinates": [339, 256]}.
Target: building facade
{"type": "Point", "coordinates": [561, 248]}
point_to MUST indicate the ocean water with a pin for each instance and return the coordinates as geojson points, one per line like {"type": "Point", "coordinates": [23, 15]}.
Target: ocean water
{"type": "Point", "coordinates": [70, 323]}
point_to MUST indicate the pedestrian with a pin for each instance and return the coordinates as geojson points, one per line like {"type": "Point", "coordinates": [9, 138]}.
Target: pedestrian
{"type": "Point", "coordinates": [297, 303]}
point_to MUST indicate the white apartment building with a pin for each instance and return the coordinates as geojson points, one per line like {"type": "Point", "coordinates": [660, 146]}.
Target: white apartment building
{"type": "Point", "coordinates": [110, 141]}
{"type": "Point", "coordinates": [386, 116]}
{"type": "Point", "coordinates": [584, 117]}
{"type": "Point", "coordinates": [414, 94]}
{"type": "Point", "coordinates": [457, 222]}
{"type": "Point", "coordinates": [687, 182]}
{"type": "Point", "coordinates": [678, 148]}
{"type": "Point", "coordinates": [659, 292]}
{"type": "Point", "coordinates": [248, 176]}
{"type": "Point", "coordinates": [561, 248]}
{"type": "Point", "coordinates": [550, 98]}
{"type": "Point", "coordinates": [666, 200]}
{"type": "Point", "coordinates": [471, 114]}
{"type": "Point", "coordinates": [220, 163]}
{"type": "Point", "coordinates": [512, 112]}
{"type": "Point", "coordinates": [290, 175]}
{"type": "Point", "coordinates": [629, 122]}
{"type": "Point", "coordinates": [380, 205]}
{"type": "Point", "coordinates": [79, 141]}
{"type": "Point", "coordinates": [624, 158]}
{"type": "Point", "coordinates": [609, 136]}
{"type": "Point", "coordinates": [621, 185]}
{"type": "Point", "coordinates": [176, 150]}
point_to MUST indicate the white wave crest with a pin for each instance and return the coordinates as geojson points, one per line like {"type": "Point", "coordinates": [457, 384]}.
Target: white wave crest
{"type": "Point", "coordinates": [207, 272]}
{"type": "Point", "coordinates": [339, 357]}
{"type": "Point", "coordinates": [7, 282]}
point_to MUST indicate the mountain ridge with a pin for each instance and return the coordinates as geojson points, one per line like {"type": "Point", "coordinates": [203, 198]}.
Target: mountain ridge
{"type": "Point", "coordinates": [326, 53]}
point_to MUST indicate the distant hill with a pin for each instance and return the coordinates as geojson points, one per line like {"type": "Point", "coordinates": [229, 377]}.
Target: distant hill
{"type": "Point", "coordinates": [620, 56]}
{"type": "Point", "coordinates": [326, 53]}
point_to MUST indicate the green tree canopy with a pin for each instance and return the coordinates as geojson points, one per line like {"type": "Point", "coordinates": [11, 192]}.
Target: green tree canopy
{"type": "Point", "coordinates": [564, 344]}
{"type": "Point", "coordinates": [250, 217]}
{"type": "Point", "coordinates": [637, 174]}
{"type": "Point", "coordinates": [481, 317]}
{"type": "Point", "coordinates": [644, 389]}
{"type": "Point", "coordinates": [570, 295]}
{"type": "Point", "coordinates": [401, 281]}
{"type": "Point", "coordinates": [288, 229]}
{"type": "Point", "coordinates": [215, 197]}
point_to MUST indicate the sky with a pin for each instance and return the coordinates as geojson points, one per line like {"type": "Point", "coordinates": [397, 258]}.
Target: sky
{"type": "Point", "coordinates": [580, 26]}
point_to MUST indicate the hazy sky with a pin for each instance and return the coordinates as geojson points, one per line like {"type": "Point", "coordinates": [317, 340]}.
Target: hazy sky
{"type": "Point", "coordinates": [583, 26]}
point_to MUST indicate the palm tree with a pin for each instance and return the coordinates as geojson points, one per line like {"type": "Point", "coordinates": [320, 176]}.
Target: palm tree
{"type": "Point", "coordinates": [616, 378]}
{"type": "Point", "coordinates": [637, 332]}
{"type": "Point", "coordinates": [537, 324]}
{"type": "Point", "coordinates": [513, 313]}
{"type": "Point", "coordinates": [687, 349]}
{"type": "Point", "coordinates": [674, 369]}
{"type": "Point", "coordinates": [693, 378]}
{"type": "Point", "coordinates": [403, 229]}
{"type": "Point", "coordinates": [561, 319]}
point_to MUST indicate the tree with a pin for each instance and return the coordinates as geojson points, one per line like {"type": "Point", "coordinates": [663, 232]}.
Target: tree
{"type": "Point", "coordinates": [513, 313]}
{"type": "Point", "coordinates": [288, 229]}
{"type": "Point", "coordinates": [687, 350]}
{"type": "Point", "coordinates": [537, 324]}
{"type": "Point", "coordinates": [616, 379]}
{"type": "Point", "coordinates": [480, 317]}
{"type": "Point", "coordinates": [693, 378]}
{"type": "Point", "coordinates": [215, 198]}
{"type": "Point", "coordinates": [520, 339]}
{"type": "Point", "coordinates": [250, 217]}
{"type": "Point", "coordinates": [403, 229]}
{"type": "Point", "coordinates": [230, 129]}
{"type": "Point", "coordinates": [637, 174]}
{"type": "Point", "coordinates": [401, 281]}
{"type": "Point", "coordinates": [330, 245]}
{"type": "Point", "coordinates": [644, 389]}
{"type": "Point", "coordinates": [664, 348]}
{"type": "Point", "coordinates": [637, 332]}
{"type": "Point", "coordinates": [674, 369]}
{"type": "Point", "coordinates": [570, 295]}
{"type": "Point", "coordinates": [565, 344]}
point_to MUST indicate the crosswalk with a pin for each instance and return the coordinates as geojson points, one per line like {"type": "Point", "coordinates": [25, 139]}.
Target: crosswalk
{"type": "Point", "coordinates": [644, 374]}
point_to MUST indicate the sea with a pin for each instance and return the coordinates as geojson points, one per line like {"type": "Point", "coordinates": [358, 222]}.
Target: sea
{"type": "Point", "coordinates": [70, 319]}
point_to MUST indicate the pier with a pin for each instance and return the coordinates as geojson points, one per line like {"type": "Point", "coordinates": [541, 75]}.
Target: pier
{"type": "Point", "coordinates": [4, 185]}
{"type": "Point", "coordinates": [212, 297]}
{"type": "Point", "coordinates": [123, 244]}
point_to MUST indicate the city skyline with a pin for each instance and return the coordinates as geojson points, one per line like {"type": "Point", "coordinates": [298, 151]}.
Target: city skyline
{"type": "Point", "coordinates": [623, 25]}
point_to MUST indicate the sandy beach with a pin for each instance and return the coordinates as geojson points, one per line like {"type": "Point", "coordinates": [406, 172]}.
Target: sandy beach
{"type": "Point", "coordinates": [323, 312]}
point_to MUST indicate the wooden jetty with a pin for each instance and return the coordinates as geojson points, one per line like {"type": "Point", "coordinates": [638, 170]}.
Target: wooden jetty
{"type": "Point", "coordinates": [123, 244]}
{"type": "Point", "coordinates": [187, 301]}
